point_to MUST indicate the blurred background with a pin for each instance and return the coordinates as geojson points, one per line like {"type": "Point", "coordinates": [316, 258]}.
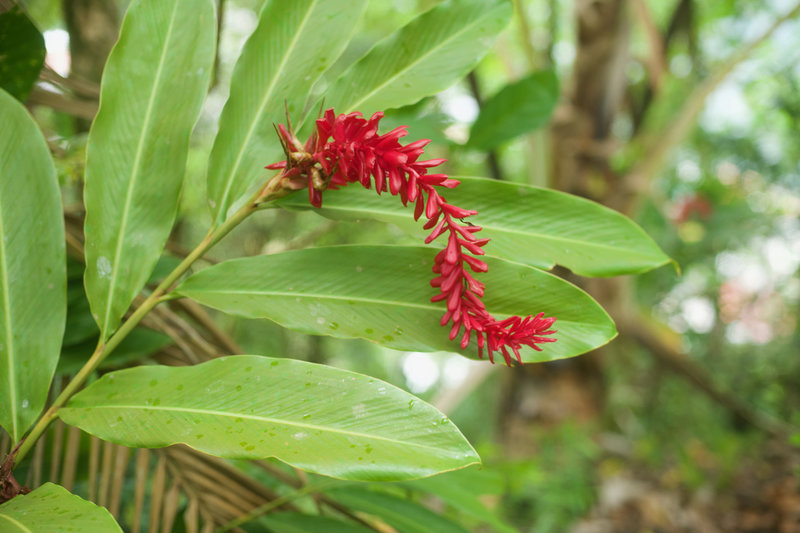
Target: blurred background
{"type": "Point", "coordinates": [682, 114]}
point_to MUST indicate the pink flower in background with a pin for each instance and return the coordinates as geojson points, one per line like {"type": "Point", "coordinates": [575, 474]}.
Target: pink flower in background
{"type": "Point", "coordinates": [347, 148]}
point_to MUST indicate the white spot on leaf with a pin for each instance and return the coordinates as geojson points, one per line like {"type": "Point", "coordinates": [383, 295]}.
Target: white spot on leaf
{"type": "Point", "coordinates": [359, 410]}
{"type": "Point", "coordinates": [103, 267]}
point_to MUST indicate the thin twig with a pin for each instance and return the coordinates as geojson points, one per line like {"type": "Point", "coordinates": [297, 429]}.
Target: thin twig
{"type": "Point", "coordinates": [656, 64]}
{"type": "Point", "coordinates": [157, 323]}
{"type": "Point", "coordinates": [491, 155]}
{"type": "Point", "coordinates": [267, 507]}
{"type": "Point", "coordinates": [199, 315]}
{"type": "Point", "coordinates": [182, 329]}
{"type": "Point", "coordinates": [286, 478]}
{"type": "Point", "coordinates": [61, 102]}
{"type": "Point", "coordinates": [76, 84]}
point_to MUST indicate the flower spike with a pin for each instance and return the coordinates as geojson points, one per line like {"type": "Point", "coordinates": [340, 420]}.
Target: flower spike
{"type": "Point", "coordinates": [346, 149]}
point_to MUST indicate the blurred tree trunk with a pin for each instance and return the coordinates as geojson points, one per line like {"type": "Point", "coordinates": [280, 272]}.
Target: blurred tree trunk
{"type": "Point", "coordinates": [546, 394]}
{"type": "Point", "coordinates": [93, 27]}
{"type": "Point", "coordinates": [582, 146]}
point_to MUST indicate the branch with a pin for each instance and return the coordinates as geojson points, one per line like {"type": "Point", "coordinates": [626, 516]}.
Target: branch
{"type": "Point", "coordinates": [661, 144]}
{"type": "Point", "coordinates": [76, 84]}
{"type": "Point", "coordinates": [680, 364]}
{"type": "Point", "coordinates": [78, 108]}
{"type": "Point", "coordinates": [656, 64]}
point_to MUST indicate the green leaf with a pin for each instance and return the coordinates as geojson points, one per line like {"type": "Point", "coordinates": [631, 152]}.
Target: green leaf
{"type": "Point", "coordinates": [303, 523]}
{"type": "Point", "coordinates": [153, 86]}
{"type": "Point", "coordinates": [426, 56]}
{"type": "Point", "coordinates": [81, 333]}
{"type": "Point", "coordinates": [294, 43]}
{"type": "Point", "coordinates": [382, 293]}
{"type": "Point", "coordinates": [22, 53]}
{"type": "Point", "coordinates": [466, 491]}
{"type": "Point", "coordinates": [404, 515]}
{"type": "Point", "coordinates": [52, 509]}
{"type": "Point", "coordinates": [538, 227]}
{"type": "Point", "coordinates": [313, 417]}
{"type": "Point", "coordinates": [518, 108]}
{"type": "Point", "coordinates": [80, 326]}
{"type": "Point", "coordinates": [33, 278]}
{"type": "Point", "coordinates": [138, 345]}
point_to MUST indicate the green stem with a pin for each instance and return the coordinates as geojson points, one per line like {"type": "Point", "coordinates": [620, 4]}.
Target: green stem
{"type": "Point", "coordinates": [271, 191]}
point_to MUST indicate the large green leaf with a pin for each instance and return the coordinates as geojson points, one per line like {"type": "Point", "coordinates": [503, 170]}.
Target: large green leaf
{"type": "Point", "coordinates": [406, 516]}
{"type": "Point", "coordinates": [382, 293]}
{"type": "Point", "coordinates": [539, 227]}
{"type": "Point", "coordinates": [292, 46]}
{"type": "Point", "coordinates": [52, 509]}
{"type": "Point", "coordinates": [153, 86]}
{"type": "Point", "coordinates": [314, 417]}
{"type": "Point", "coordinates": [33, 277]}
{"type": "Point", "coordinates": [22, 53]}
{"type": "Point", "coordinates": [426, 56]}
{"type": "Point", "coordinates": [519, 107]}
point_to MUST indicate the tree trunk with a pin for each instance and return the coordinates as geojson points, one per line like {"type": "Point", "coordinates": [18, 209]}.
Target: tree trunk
{"type": "Point", "coordinates": [93, 27]}
{"type": "Point", "coordinates": [544, 395]}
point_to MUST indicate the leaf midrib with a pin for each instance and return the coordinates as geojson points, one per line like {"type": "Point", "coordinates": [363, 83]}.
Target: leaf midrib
{"type": "Point", "coordinates": [135, 171]}
{"type": "Point", "coordinates": [543, 236]}
{"type": "Point", "coordinates": [410, 66]}
{"type": "Point", "coordinates": [16, 523]}
{"type": "Point", "coordinates": [223, 207]}
{"type": "Point", "coordinates": [359, 299]}
{"type": "Point", "coordinates": [348, 298]}
{"type": "Point", "coordinates": [12, 388]}
{"type": "Point", "coordinates": [265, 419]}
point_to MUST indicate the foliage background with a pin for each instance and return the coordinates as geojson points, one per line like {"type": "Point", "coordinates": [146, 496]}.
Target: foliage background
{"type": "Point", "coordinates": [679, 424]}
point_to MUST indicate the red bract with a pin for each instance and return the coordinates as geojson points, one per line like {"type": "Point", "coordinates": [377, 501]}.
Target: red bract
{"type": "Point", "coordinates": [346, 149]}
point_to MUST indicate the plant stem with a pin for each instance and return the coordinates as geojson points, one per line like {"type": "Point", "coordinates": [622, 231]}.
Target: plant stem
{"type": "Point", "coordinates": [271, 191]}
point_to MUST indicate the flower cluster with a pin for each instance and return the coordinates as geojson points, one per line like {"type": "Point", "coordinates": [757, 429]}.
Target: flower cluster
{"type": "Point", "coordinates": [347, 148]}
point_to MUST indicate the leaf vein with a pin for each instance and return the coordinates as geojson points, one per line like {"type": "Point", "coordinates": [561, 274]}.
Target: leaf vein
{"type": "Point", "coordinates": [16, 523]}
{"type": "Point", "coordinates": [135, 171]}
{"type": "Point", "coordinates": [270, 420]}
{"type": "Point", "coordinates": [229, 182]}
{"type": "Point", "coordinates": [421, 58]}
{"type": "Point", "coordinates": [12, 386]}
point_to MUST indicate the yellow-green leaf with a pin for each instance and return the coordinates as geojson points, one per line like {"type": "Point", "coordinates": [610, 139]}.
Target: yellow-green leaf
{"type": "Point", "coordinates": [153, 86]}
{"type": "Point", "coordinates": [314, 417]}
{"type": "Point", "coordinates": [294, 43]}
{"type": "Point", "coordinates": [33, 302]}
{"type": "Point", "coordinates": [382, 293]}
{"type": "Point", "coordinates": [52, 509]}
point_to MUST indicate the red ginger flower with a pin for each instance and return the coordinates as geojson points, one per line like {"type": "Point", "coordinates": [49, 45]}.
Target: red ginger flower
{"type": "Point", "coordinates": [347, 148]}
